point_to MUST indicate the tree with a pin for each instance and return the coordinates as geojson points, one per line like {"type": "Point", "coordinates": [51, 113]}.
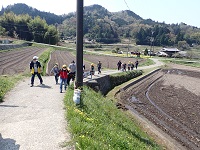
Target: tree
{"type": "Point", "coordinates": [183, 45]}
{"type": "Point", "coordinates": [22, 28]}
{"type": "Point", "coordinates": [146, 52]}
{"type": "Point", "coordinates": [51, 36]}
{"type": "Point", "coordinates": [2, 31]}
{"type": "Point", "coordinates": [8, 22]}
{"type": "Point", "coordinates": [38, 27]}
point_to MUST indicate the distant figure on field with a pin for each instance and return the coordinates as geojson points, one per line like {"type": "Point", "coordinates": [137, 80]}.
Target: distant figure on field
{"type": "Point", "coordinates": [99, 67]}
{"type": "Point", "coordinates": [119, 65]}
{"type": "Point", "coordinates": [63, 73]}
{"type": "Point", "coordinates": [136, 64]}
{"type": "Point", "coordinates": [35, 68]}
{"type": "Point", "coordinates": [72, 72]}
{"type": "Point", "coordinates": [55, 71]}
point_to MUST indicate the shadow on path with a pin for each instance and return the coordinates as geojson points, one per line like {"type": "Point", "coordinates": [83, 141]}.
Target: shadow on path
{"type": "Point", "coordinates": [8, 144]}
{"type": "Point", "coordinates": [43, 86]}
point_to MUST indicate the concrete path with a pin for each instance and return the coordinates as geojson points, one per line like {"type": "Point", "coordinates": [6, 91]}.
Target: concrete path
{"type": "Point", "coordinates": [107, 72]}
{"type": "Point", "coordinates": [32, 118]}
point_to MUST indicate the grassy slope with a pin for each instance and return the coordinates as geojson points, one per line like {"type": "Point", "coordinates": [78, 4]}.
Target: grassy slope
{"type": "Point", "coordinates": [98, 124]}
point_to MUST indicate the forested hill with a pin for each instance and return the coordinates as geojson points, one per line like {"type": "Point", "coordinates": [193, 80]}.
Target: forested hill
{"type": "Point", "coordinates": [104, 26]}
{"type": "Point", "coordinates": [25, 9]}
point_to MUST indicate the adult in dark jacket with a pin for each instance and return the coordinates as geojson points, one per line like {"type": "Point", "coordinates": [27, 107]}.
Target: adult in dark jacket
{"type": "Point", "coordinates": [35, 68]}
{"type": "Point", "coordinates": [119, 65]}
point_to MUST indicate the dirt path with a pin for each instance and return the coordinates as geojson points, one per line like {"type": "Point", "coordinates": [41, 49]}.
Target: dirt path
{"type": "Point", "coordinates": [32, 118]}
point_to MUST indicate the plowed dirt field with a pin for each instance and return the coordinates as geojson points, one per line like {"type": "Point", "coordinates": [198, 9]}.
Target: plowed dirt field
{"type": "Point", "coordinates": [17, 61]}
{"type": "Point", "coordinates": [170, 99]}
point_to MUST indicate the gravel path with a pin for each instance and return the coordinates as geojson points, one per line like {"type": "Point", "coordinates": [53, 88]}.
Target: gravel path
{"type": "Point", "coordinates": [32, 118]}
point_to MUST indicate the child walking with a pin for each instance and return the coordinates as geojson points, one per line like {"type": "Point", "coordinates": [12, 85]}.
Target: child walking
{"type": "Point", "coordinates": [55, 70]}
{"type": "Point", "coordinates": [63, 77]}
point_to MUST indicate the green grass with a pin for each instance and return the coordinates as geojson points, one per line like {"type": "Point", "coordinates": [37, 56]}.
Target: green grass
{"type": "Point", "coordinates": [98, 125]}
{"type": "Point", "coordinates": [7, 83]}
{"type": "Point", "coordinates": [192, 63]}
{"type": "Point", "coordinates": [44, 58]}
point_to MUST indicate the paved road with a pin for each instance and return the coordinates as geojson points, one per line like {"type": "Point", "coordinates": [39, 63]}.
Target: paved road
{"type": "Point", "coordinates": [32, 118]}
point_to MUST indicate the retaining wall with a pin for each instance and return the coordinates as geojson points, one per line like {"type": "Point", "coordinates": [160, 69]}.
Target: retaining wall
{"type": "Point", "coordinates": [103, 84]}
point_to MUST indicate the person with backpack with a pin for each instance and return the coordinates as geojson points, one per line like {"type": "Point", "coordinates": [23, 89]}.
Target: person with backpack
{"type": "Point", "coordinates": [35, 68]}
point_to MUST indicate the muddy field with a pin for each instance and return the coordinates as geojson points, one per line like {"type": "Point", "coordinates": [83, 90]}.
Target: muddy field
{"type": "Point", "coordinates": [170, 99]}
{"type": "Point", "coordinates": [17, 61]}
{"type": "Point", "coordinates": [66, 57]}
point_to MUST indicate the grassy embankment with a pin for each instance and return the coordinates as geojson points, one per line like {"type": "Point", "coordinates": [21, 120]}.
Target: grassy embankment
{"type": "Point", "coordinates": [98, 124]}
{"type": "Point", "coordinates": [186, 62]}
{"type": "Point", "coordinates": [7, 82]}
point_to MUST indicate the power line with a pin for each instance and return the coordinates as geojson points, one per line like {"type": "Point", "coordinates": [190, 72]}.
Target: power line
{"type": "Point", "coordinates": [126, 4]}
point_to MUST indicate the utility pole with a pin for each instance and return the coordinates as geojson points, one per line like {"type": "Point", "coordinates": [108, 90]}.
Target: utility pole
{"type": "Point", "coordinates": [57, 33]}
{"type": "Point", "coordinates": [79, 44]}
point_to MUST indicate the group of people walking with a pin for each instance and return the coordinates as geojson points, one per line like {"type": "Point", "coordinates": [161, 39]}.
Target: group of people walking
{"type": "Point", "coordinates": [129, 66]}
{"type": "Point", "coordinates": [66, 74]}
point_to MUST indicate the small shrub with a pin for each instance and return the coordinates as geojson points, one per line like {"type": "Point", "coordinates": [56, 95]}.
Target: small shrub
{"type": "Point", "coordinates": [120, 78]}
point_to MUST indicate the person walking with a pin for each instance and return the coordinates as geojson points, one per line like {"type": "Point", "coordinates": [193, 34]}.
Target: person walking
{"type": "Point", "coordinates": [72, 72]}
{"type": "Point", "coordinates": [119, 65]}
{"type": "Point", "coordinates": [136, 64]}
{"type": "Point", "coordinates": [35, 68]}
{"type": "Point", "coordinates": [124, 66]}
{"type": "Point", "coordinates": [92, 70]}
{"type": "Point", "coordinates": [129, 66]}
{"type": "Point", "coordinates": [63, 73]}
{"type": "Point", "coordinates": [99, 67]}
{"type": "Point", "coordinates": [132, 66]}
{"type": "Point", "coordinates": [55, 70]}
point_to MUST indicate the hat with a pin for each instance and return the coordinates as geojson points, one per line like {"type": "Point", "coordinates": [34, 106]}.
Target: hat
{"type": "Point", "coordinates": [35, 57]}
{"type": "Point", "coordinates": [56, 64]}
{"type": "Point", "coordinates": [64, 66]}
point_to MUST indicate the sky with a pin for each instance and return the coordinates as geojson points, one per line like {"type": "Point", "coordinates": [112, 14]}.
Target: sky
{"type": "Point", "coordinates": [168, 11]}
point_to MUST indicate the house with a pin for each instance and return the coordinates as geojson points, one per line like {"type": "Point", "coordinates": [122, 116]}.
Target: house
{"type": "Point", "coordinates": [169, 51]}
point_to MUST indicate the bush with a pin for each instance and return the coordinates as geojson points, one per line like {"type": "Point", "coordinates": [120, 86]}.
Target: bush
{"type": "Point", "coordinates": [114, 51]}
{"type": "Point", "coordinates": [120, 78]}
